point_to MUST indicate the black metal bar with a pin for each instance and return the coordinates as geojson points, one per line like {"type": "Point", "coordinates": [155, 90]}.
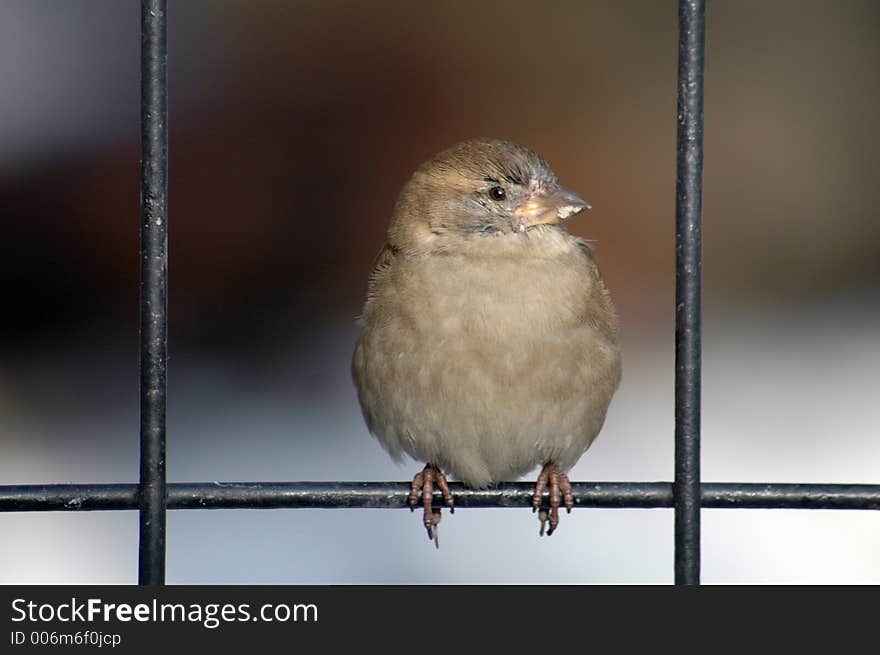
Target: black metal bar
{"type": "Point", "coordinates": [393, 495]}
{"type": "Point", "coordinates": [688, 236]}
{"type": "Point", "coordinates": [154, 290]}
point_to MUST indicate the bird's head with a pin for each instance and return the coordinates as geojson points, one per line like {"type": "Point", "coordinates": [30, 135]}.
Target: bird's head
{"type": "Point", "coordinates": [482, 187]}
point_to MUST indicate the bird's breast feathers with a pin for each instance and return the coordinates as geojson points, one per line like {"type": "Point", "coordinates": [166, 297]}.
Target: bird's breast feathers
{"type": "Point", "coordinates": [510, 344]}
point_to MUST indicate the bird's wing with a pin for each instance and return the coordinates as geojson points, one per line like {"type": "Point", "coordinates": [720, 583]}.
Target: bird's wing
{"type": "Point", "coordinates": [601, 313]}
{"type": "Point", "coordinates": [586, 249]}
{"type": "Point", "coordinates": [381, 264]}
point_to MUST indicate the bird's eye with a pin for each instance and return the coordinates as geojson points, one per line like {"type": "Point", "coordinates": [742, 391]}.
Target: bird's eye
{"type": "Point", "coordinates": [497, 193]}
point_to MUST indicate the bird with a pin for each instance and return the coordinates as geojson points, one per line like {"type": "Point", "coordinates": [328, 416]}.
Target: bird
{"type": "Point", "coordinates": [488, 343]}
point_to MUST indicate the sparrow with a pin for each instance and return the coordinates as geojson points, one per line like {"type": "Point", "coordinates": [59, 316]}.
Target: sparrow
{"type": "Point", "coordinates": [488, 341]}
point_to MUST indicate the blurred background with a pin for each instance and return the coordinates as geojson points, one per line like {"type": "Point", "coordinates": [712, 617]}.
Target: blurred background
{"type": "Point", "coordinates": [293, 126]}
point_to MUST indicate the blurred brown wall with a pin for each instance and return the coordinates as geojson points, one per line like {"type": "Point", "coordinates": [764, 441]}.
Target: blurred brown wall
{"type": "Point", "coordinates": [293, 124]}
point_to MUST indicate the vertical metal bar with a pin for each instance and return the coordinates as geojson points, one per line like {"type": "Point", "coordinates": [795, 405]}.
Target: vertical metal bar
{"type": "Point", "coordinates": [688, 272]}
{"type": "Point", "coordinates": [154, 290]}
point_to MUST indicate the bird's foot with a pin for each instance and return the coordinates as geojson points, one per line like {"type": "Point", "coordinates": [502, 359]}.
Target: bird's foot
{"type": "Point", "coordinates": [560, 489]}
{"type": "Point", "coordinates": [424, 483]}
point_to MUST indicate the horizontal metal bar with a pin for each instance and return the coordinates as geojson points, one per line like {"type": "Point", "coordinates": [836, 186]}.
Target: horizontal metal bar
{"type": "Point", "coordinates": [393, 495]}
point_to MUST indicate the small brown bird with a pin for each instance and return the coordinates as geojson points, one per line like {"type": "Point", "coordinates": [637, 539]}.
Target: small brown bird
{"type": "Point", "coordinates": [489, 342]}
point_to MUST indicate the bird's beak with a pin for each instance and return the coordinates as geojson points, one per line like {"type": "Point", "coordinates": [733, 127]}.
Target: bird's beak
{"type": "Point", "coordinates": [549, 207]}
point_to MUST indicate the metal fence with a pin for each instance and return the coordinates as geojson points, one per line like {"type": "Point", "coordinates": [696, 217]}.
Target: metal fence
{"type": "Point", "coordinates": [687, 494]}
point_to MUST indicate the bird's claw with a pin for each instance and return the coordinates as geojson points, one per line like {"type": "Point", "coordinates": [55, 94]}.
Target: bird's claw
{"type": "Point", "coordinates": [559, 487]}
{"type": "Point", "coordinates": [542, 517]}
{"type": "Point", "coordinates": [434, 529]}
{"type": "Point", "coordinates": [423, 484]}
